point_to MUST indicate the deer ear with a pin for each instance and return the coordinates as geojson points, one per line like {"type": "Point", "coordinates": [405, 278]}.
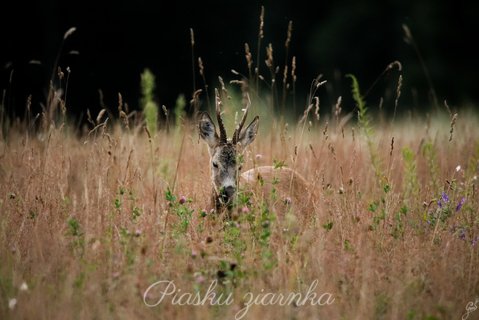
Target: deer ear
{"type": "Point", "coordinates": [249, 134]}
{"type": "Point", "coordinates": [207, 130]}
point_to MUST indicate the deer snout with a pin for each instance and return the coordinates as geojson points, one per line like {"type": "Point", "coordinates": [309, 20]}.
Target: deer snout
{"type": "Point", "coordinates": [230, 191]}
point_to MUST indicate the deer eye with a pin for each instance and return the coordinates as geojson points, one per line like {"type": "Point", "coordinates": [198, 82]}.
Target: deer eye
{"type": "Point", "coordinates": [215, 164]}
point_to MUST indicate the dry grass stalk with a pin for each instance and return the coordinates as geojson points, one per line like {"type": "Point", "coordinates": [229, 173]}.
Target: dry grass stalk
{"type": "Point", "coordinates": [453, 124]}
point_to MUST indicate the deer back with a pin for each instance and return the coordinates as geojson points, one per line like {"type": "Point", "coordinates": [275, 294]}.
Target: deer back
{"type": "Point", "coordinates": [282, 188]}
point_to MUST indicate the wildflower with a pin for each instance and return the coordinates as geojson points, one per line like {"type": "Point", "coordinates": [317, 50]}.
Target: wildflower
{"type": "Point", "coordinates": [12, 303]}
{"type": "Point", "coordinates": [474, 241]}
{"type": "Point", "coordinates": [459, 205]}
{"type": "Point", "coordinates": [137, 233]}
{"type": "Point", "coordinates": [458, 168]}
{"type": "Point", "coordinates": [182, 200]}
{"type": "Point", "coordinates": [23, 286]}
{"type": "Point", "coordinates": [245, 209]}
{"type": "Point", "coordinates": [200, 279]}
{"type": "Point", "coordinates": [444, 199]}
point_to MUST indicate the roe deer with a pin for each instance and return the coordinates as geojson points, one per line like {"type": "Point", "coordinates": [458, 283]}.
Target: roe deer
{"type": "Point", "coordinates": [290, 188]}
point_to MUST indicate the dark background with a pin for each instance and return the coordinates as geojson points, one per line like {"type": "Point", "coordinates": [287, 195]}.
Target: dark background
{"type": "Point", "coordinates": [116, 40]}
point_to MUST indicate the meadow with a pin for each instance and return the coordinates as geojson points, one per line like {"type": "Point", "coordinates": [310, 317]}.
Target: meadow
{"type": "Point", "coordinates": [90, 222]}
{"type": "Point", "coordinates": [114, 221]}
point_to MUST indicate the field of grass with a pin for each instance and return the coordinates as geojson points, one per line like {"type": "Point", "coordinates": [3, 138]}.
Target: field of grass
{"type": "Point", "coordinates": [114, 221]}
{"type": "Point", "coordinates": [89, 222]}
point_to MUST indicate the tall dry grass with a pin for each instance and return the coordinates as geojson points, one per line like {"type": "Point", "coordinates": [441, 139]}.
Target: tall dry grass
{"type": "Point", "coordinates": [89, 223]}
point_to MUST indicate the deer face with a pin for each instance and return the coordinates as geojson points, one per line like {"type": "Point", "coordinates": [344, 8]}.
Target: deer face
{"type": "Point", "coordinates": [224, 171]}
{"type": "Point", "coordinates": [224, 153]}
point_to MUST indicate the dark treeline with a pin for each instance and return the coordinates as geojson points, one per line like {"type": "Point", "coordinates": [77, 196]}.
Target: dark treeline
{"type": "Point", "coordinates": [115, 41]}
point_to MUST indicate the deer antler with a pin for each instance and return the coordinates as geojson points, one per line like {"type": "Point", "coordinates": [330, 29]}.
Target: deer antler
{"type": "Point", "coordinates": [223, 137]}
{"type": "Point", "coordinates": [237, 132]}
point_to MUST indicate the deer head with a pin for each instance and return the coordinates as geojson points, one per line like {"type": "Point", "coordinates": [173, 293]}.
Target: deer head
{"type": "Point", "coordinates": [224, 152]}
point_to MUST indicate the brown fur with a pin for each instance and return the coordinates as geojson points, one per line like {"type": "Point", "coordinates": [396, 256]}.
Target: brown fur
{"type": "Point", "coordinates": [292, 190]}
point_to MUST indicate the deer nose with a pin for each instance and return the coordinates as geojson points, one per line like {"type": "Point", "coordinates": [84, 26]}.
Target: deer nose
{"type": "Point", "coordinates": [229, 191]}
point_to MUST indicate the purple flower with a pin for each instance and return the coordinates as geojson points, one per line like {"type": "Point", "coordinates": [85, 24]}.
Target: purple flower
{"type": "Point", "coordinates": [444, 199]}
{"type": "Point", "coordinates": [459, 205]}
{"type": "Point", "coordinates": [474, 241]}
{"type": "Point", "coordinates": [182, 200]}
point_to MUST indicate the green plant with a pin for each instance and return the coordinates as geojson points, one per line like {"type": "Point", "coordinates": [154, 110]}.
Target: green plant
{"type": "Point", "coordinates": [149, 106]}
{"type": "Point", "coordinates": [180, 109]}
{"type": "Point", "coordinates": [181, 209]}
{"type": "Point", "coordinates": [364, 121]}
{"type": "Point", "coordinates": [430, 154]}
{"type": "Point", "coordinates": [265, 231]}
{"type": "Point", "coordinates": [410, 183]}
{"type": "Point", "coordinates": [234, 239]}
{"type": "Point", "coordinates": [76, 234]}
